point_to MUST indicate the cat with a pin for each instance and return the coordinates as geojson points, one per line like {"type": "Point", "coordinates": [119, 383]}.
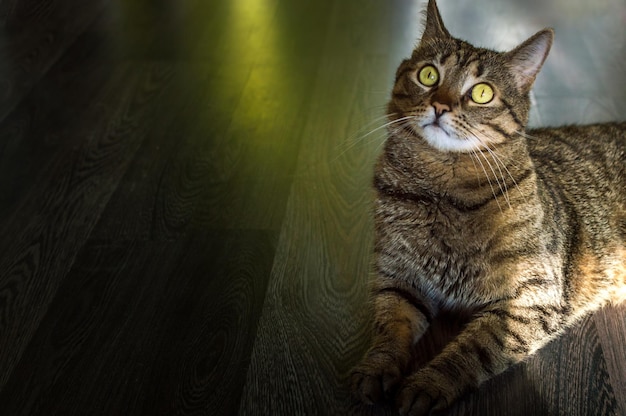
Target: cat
{"type": "Point", "coordinates": [524, 231]}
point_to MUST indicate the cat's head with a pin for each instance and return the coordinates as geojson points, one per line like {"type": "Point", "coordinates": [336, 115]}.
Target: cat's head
{"type": "Point", "coordinates": [459, 97]}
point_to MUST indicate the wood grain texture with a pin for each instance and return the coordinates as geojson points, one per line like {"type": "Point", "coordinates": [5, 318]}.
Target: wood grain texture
{"type": "Point", "coordinates": [161, 185]}
{"type": "Point", "coordinates": [35, 35]}
{"type": "Point", "coordinates": [611, 326]}
{"type": "Point", "coordinates": [45, 123]}
{"type": "Point", "coordinates": [308, 336]}
{"type": "Point", "coordinates": [139, 328]}
{"type": "Point", "coordinates": [61, 216]}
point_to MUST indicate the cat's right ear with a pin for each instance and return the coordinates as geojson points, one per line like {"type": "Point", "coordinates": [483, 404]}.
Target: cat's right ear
{"type": "Point", "coordinates": [434, 28]}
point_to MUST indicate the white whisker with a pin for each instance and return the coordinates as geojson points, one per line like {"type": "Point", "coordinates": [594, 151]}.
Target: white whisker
{"type": "Point", "coordinates": [362, 138]}
{"type": "Point", "coordinates": [498, 160]}
{"type": "Point", "coordinates": [471, 155]}
{"type": "Point", "coordinates": [502, 186]}
{"type": "Point", "coordinates": [526, 135]}
{"type": "Point", "coordinates": [493, 191]}
{"type": "Point", "coordinates": [350, 141]}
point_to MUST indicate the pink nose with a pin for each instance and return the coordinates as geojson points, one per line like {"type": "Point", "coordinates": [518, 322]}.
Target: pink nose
{"type": "Point", "coordinates": [440, 108]}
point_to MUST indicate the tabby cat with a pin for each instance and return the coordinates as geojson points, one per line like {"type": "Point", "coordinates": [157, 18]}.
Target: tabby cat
{"type": "Point", "coordinates": [524, 231]}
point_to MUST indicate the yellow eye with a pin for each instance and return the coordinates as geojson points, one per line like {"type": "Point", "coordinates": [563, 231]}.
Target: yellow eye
{"type": "Point", "coordinates": [482, 93]}
{"type": "Point", "coordinates": [428, 76]}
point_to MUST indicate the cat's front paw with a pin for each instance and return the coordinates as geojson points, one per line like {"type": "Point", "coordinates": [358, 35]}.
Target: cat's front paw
{"type": "Point", "coordinates": [376, 378]}
{"type": "Point", "coordinates": [421, 396]}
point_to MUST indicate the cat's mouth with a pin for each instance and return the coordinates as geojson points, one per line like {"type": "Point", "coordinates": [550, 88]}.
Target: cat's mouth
{"type": "Point", "coordinates": [438, 128]}
{"type": "Point", "coordinates": [445, 138]}
{"type": "Point", "coordinates": [435, 124]}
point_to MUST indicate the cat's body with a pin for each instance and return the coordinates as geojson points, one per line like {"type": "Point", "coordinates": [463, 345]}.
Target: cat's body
{"type": "Point", "coordinates": [525, 231]}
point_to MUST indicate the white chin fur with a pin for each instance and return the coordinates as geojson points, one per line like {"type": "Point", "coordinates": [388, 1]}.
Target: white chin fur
{"type": "Point", "coordinates": [448, 142]}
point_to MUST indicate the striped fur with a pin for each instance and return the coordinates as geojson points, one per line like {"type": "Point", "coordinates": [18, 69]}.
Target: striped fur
{"type": "Point", "coordinates": [523, 230]}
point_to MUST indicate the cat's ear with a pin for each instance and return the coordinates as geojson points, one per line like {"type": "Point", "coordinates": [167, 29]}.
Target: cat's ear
{"type": "Point", "coordinates": [526, 60]}
{"type": "Point", "coordinates": [434, 28]}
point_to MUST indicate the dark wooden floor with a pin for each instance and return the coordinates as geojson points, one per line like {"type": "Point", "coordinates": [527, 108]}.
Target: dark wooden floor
{"type": "Point", "coordinates": [184, 198]}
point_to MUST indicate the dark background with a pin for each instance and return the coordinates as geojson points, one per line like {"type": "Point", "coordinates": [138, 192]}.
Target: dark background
{"type": "Point", "coordinates": [185, 193]}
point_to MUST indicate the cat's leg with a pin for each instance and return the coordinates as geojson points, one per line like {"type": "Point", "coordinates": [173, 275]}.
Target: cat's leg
{"type": "Point", "coordinates": [399, 321]}
{"type": "Point", "coordinates": [492, 342]}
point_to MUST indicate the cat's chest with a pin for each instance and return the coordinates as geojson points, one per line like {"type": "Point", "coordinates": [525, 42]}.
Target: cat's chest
{"type": "Point", "coordinates": [442, 255]}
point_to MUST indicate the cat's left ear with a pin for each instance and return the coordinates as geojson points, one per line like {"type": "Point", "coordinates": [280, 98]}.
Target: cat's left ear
{"type": "Point", "coordinates": [526, 60]}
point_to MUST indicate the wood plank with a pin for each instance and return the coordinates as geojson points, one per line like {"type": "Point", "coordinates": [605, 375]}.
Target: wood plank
{"type": "Point", "coordinates": [237, 141]}
{"type": "Point", "coordinates": [162, 31]}
{"type": "Point", "coordinates": [254, 156]}
{"type": "Point", "coordinates": [161, 186]}
{"type": "Point", "coordinates": [44, 123]}
{"type": "Point", "coordinates": [611, 324]}
{"type": "Point", "coordinates": [573, 377]}
{"type": "Point", "coordinates": [314, 325]}
{"type": "Point", "coordinates": [74, 186]}
{"type": "Point", "coordinates": [36, 33]}
{"type": "Point", "coordinates": [130, 335]}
